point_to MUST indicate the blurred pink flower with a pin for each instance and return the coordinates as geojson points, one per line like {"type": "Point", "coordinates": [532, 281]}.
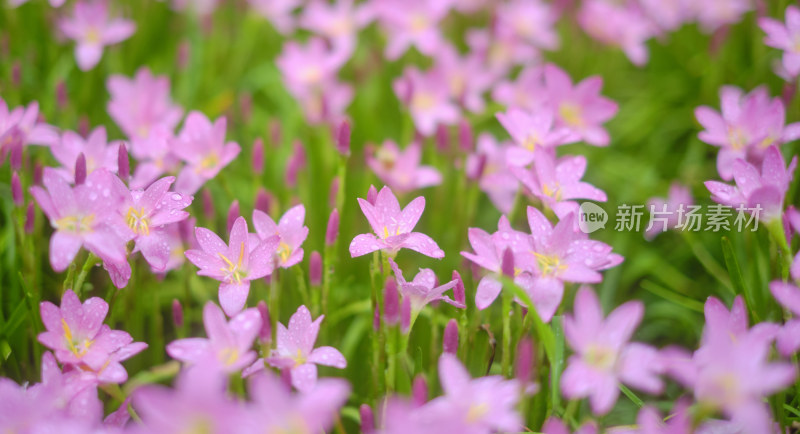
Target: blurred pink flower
{"type": "Point", "coordinates": [82, 216]}
{"type": "Point", "coordinates": [228, 344]}
{"type": "Point", "coordinates": [621, 25]}
{"type": "Point", "coordinates": [234, 264]}
{"type": "Point", "coordinates": [784, 37]}
{"type": "Point", "coordinates": [393, 227]}
{"type": "Point", "coordinates": [713, 14]}
{"type": "Point", "coordinates": [77, 335]}
{"type": "Point", "coordinates": [525, 92]}
{"type": "Point", "coordinates": [295, 350]}
{"type": "Point", "coordinates": [679, 198]}
{"type": "Point", "coordinates": [411, 23]}
{"type": "Point", "coordinates": [400, 170]}
{"type": "Point", "coordinates": [291, 233]}
{"type": "Point", "coordinates": [202, 146]}
{"type": "Point", "coordinates": [532, 131]}
{"type": "Point", "coordinates": [765, 189]}
{"type": "Point", "coordinates": [278, 12]}
{"type": "Point", "coordinates": [788, 295]}
{"type": "Point", "coordinates": [501, 51]}
{"type": "Point", "coordinates": [154, 157]}
{"type": "Point", "coordinates": [489, 163]}
{"type": "Point", "coordinates": [423, 289]}
{"type": "Point", "coordinates": [20, 127]}
{"type": "Point", "coordinates": [98, 152]}
{"type": "Point", "coordinates": [531, 20]}
{"type": "Point", "coordinates": [338, 22]}
{"type": "Point", "coordinates": [468, 77]}
{"type": "Point", "coordinates": [92, 29]}
{"type": "Point", "coordinates": [427, 96]}
{"type": "Point", "coordinates": [603, 356]}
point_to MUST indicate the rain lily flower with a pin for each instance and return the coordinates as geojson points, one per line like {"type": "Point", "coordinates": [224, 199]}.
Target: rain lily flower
{"type": "Point", "coordinates": [621, 25]}
{"type": "Point", "coordinates": [275, 407]}
{"type": "Point", "coordinates": [485, 404]}
{"type": "Point", "coordinates": [77, 335]}
{"type": "Point", "coordinates": [532, 131]}
{"type": "Point", "coordinates": [788, 295]}
{"type": "Point", "coordinates": [82, 216]}
{"type": "Point", "coordinates": [142, 104]}
{"type": "Point", "coordinates": [400, 169]}
{"type": "Point", "coordinates": [290, 231]}
{"type": "Point", "coordinates": [532, 21]}
{"type": "Point", "coordinates": [556, 182]}
{"type": "Point", "coordinates": [427, 95]}
{"type": "Point", "coordinates": [754, 190]}
{"type": "Point", "coordinates": [526, 92]}
{"type": "Point", "coordinates": [95, 149]}
{"type": "Point", "coordinates": [147, 213]}
{"type": "Point", "coordinates": [713, 14]}
{"type": "Point", "coordinates": [678, 200]}
{"type": "Point", "coordinates": [489, 162]}
{"type": "Point", "coordinates": [411, 23]}
{"type": "Point", "coordinates": [784, 37]}
{"type": "Point", "coordinates": [228, 344]}
{"type": "Point", "coordinates": [603, 356]}
{"type": "Point", "coordinates": [202, 146]}
{"type": "Point", "coordinates": [501, 50]}
{"type": "Point", "coordinates": [393, 227]}
{"type": "Point", "coordinates": [74, 390]}
{"type": "Point", "coordinates": [154, 158]}
{"type": "Point", "coordinates": [730, 371]}
{"type": "Point", "coordinates": [339, 22]}
{"type": "Point", "coordinates": [21, 126]}
{"type": "Point", "coordinates": [468, 77]}
{"type": "Point", "coordinates": [234, 264]}
{"type": "Point", "coordinates": [423, 289]}
{"type": "Point", "coordinates": [295, 351]}
{"type": "Point", "coordinates": [745, 128]}
{"type": "Point", "coordinates": [92, 29]}
{"type": "Point", "coordinates": [668, 15]}
{"type": "Point", "coordinates": [278, 12]}
{"type": "Point", "coordinates": [197, 402]}
{"type": "Point", "coordinates": [579, 107]}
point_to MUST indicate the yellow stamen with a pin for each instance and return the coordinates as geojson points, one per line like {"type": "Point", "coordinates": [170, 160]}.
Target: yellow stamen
{"type": "Point", "coordinates": [550, 266]}
{"type": "Point", "coordinates": [477, 412]}
{"type": "Point", "coordinates": [571, 114]}
{"type": "Point", "coordinates": [137, 221]}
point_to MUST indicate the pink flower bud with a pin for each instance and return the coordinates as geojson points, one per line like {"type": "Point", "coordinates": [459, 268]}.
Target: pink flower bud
{"type": "Point", "coordinates": [265, 332]}
{"type": "Point", "coordinates": [258, 156]}
{"type": "Point", "coordinates": [465, 138]}
{"type": "Point", "coordinates": [16, 190]}
{"type": "Point", "coordinates": [372, 194]}
{"type": "Point", "coordinates": [442, 138]}
{"type": "Point", "coordinates": [30, 218]}
{"type": "Point", "coordinates": [38, 172]}
{"type": "Point", "coordinates": [208, 204]}
{"type": "Point", "coordinates": [233, 214]}
{"type": "Point", "coordinates": [334, 192]}
{"type": "Point", "coordinates": [123, 163]}
{"type": "Point", "coordinates": [419, 391]}
{"type": "Point", "coordinates": [450, 339]}
{"type": "Point", "coordinates": [332, 231]}
{"type": "Point", "coordinates": [343, 138]}
{"type": "Point", "coordinates": [376, 318]}
{"type": "Point", "coordinates": [367, 419]}
{"type": "Point", "coordinates": [83, 126]}
{"type": "Point", "coordinates": [263, 200]}
{"type": "Point", "coordinates": [405, 315]}
{"type": "Point", "coordinates": [459, 293]}
{"type": "Point", "coordinates": [477, 172]}
{"type": "Point", "coordinates": [177, 313]}
{"type": "Point", "coordinates": [16, 149]}
{"type": "Point", "coordinates": [508, 263]}
{"type": "Point", "coordinates": [315, 268]}
{"type": "Point", "coordinates": [16, 73]}
{"type": "Point", "coordinates": [296, 163]}
{"type": "Point", "coordinates": [80, 169]}
{"type": "Point", "coordinates": [62, 100]}
{"type": "Point", "coordinates": [523, 365]}
{"type": "Point", "coordinates": [391, 308]}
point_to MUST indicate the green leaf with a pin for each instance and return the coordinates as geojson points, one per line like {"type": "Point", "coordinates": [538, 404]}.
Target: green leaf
{"type": "Point", "coordinates": [543, 331]}
{"type": "Point", "coordinates": [737, 280]}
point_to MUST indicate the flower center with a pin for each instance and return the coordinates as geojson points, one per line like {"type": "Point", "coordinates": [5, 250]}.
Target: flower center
{"type": "Point", "coordinates": [78, 347]}
{"type": "Point", "coordinates": [737, 137]}
{"type": "Point", "coordinates": [209, 161]}
{"type": "Point", "coordinates": [74, 223]}
{"type": "Point", "coordinates": [423, 101]}
{"type": "Point", "coordinates": [233, 272]}
{"type": "Point", "coordinates": [299, 358]}
{"type": "Point", "coordinates": [137, 221]}
{"type": "Point", "coordinates": [284, 251]}
{"type": "Point", "coordinates": [229, 356]}
{"type": "Point", "coordinates": [571, 114]}
{"type": "Point", "coordinates": [476, 412]}
{"type": "Point", "coordinates": [552, 190]}
{"type": "Point", "coordinates": [549, 265]}
{"type": "Point", "coordinates": [601, 357]}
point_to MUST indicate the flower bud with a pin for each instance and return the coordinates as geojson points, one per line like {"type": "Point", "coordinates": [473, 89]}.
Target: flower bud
{"type": "Point", "coordinates": [80, 169]}
{"type": "Point", "coordinates": [123, 163]}
{"type": "Point", "coordinates": [391, 304]}
{"type": "Point", "coordinates": [523, 364]}
{"type": "Point", "coordinates": [372, 194]}
{"type": "Point", "coordinates": [208, 204]}
{"type": "Point", "coordinates": [296, 162]}
{"type": "Point", "coordinates": [332, 231]}
{"type": "Point", "coordinates": [343, 138]}
{"type": "Point", "coordinates": [233, 214]}
{"type": "Point", "coordinates": [265, 332]}
{"type": "Point", "coordinates": [508, 263]}
{"type": "Point", "coordinates": [177, 313]}
{"type": "Point", "coordinates": [16, 190]}
{"type": "Point", "coordinates": [258, 156]}
{"type": "Point", "coordinates": [15, 159]}
{"type": "Point", "coordinates": [465, 138]}
{"type": "Point", "coordinates": [30, 218]}
{"type": "Point", "coordinates": [459, 293]}
{"type": "Point", "coordinates": [405, 315]}
{"type": "Point", "coordinates": [315, 268]}
{"type": "Point", "coordinates": [419, 391]}
{"type": "Point", "coordinates": [450, 339]}
{"type": "Point", "coordinates": [62, 100]}
{"type": "Point", "coordinates": [442, 138]}
{"type": "Point", "coordinates": [263, 200]}
{"type": "Point", "coordinates": [367, 419]}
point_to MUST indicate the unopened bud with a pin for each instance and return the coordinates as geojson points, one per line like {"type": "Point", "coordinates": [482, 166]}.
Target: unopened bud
{"type": "Point", "coordinates": [391, 304]}
{"type": "Point", "coordinates": [343, 138]}
{"type": "Point", "coordinates": [80, 169]}
{"type": "Point", "coordinates": [459, 293]}
{"type": "Point", "coordinates": [258, 156]}
{"type": "Point", "coordinates": [508, 263]}
{"type": "Point", "coordinates": [263, 200]}
{"type": "Point", "coordinates": [419, 391]}
{"type": "Point", "coordinates": [16, 190]}
{"type": "Point", "coordinates": [332, 231]}
{"type": "Point", "coordinates": [233, 214]}
{"type": "Point", "coordinates": [465, 138]}
{"type": "Point", "coordinates": [442, 138]}
{"type": "Point", "coordinates": [315, 268]}
{"type": "Point", "coordinates": [524, 360]}
{"type": "Point", "coordinates": [177, 313]}
{"type": "Point", "coordinates": [450, 339]}
{"type": "Point", "coordinates": [123, 163]}
{"type": "Point", "coordinates": [30, 218]}
{"type": "Point", "coordinates": [265, 332]}
{"type": "Point", "coordinates": [208, 204]}
{"type": "Point", "coordinates": [367, 419]}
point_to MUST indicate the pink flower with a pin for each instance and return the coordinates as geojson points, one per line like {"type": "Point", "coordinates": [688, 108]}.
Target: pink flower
{"type": "Point", "coordinates": [713, 14]}
{"type": "Point", "coordinates": [423, 289]}
{"type": "Point", "coordinates": [82, 216]}
{"type": "Point", "coordinates": [580, 107]}
{"type": "Point", "coordinates": [485, 404]}
{"type": "Point", "coordinates": [202, 146]}
{"type": "Point", "coordinates": [745, 128]}
{"type": "Point", "coordinates": [278, 12]}
{"type": "Point", "coordinates": [411, 23]}
{"type": "Point", "coordinates": [400, 170]}
{"type": "Point", "coordinates": [339, 22]}
{"type": "Point", "coordinates": [95, 149]}
{"type": "Point", "coordinates": [142, 104]}
{"type": "Point", "coordinates": [79, 338]}
{"type": "Point", "coordinates": [274, 405]}
{"type": "Point", "coordinates": [557, 182]}
{"type": "Point", "coordinates": [526, 92]}
{"type": "Point", "coordinates": [393, 227]}
{"type": "Point", "coordinates": [668, 14]}
{"type": "Point", "coordinates": [788, 295]}
{"type": "Point", "coordinates": [92, 29]}
{"type": "Point", "coordinates": [468, 77]}
{"type": "Point", "coordinates": [489, 162]}
{"type": "Point", "coordinates": [295, 350]}
{"type": "Point", "coordinates": [531, 131]}
{"type": "Point", "coordinates": [501, 50]}
{"type": "Point", "coordinates": [228, 344]}
{"type": "Point", "coordinates": [234, 264]}
{"type": "Point", "coordinates": [291, 234]}
{"type": "Point", "coordinates": [533, 21]}
{"type": "Point", "coordinates": [765, 190]}
{"type": "Point", "coordinates": [154, 157]}
{"type": "Point", "coordinates": [603, 356]}
{"type": "Point", "coordinates": [21, 126]}
{"type": "Point", "coordinates": [784, 37]}
{"type": "Point", "coordinates": [619, 25]}
{"type": "Point", "coordinates": [427, 95]}
{"type": "Point", "coordinates": [678, 200]}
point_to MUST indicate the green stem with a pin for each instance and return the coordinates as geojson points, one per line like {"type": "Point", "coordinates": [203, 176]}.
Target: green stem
{"type": "Point", "coordinates": [778, 236]}
{"type": "Point", "coordinates": [275, 300]}
{"type": "Point", "coordinates": [506, 363]}
{"type": "Point", "coordinates": [91, 261]}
